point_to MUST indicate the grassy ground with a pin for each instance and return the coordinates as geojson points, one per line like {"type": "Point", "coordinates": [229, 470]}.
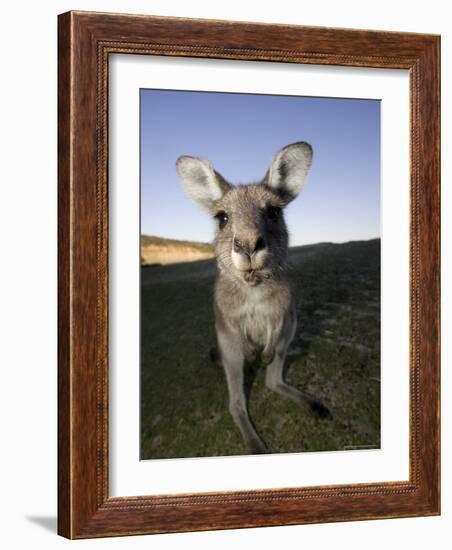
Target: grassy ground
{"type": "Point", "coordinates": [335, 356]}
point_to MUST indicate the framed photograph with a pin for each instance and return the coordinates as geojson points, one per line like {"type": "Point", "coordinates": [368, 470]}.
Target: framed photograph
{"type": "Point", "coordinates": [248, 275]}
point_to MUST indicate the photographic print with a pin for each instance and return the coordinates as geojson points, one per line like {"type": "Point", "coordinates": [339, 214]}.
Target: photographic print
{"type": "Point", "coordinates": [223, 188]}
{"type": "Point", "coordinates": [260, 274]}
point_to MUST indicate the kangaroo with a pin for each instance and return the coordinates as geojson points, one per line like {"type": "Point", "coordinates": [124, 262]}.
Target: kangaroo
{"type": "Point", "coordinates": [254, 305]}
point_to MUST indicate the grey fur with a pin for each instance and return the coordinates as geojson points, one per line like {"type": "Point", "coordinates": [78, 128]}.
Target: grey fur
{"type": "Point", "coordinates": [254, 305]}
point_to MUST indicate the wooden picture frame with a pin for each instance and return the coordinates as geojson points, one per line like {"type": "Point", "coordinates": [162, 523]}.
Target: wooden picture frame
{"type": "Point", "coordinates": [85, 42]}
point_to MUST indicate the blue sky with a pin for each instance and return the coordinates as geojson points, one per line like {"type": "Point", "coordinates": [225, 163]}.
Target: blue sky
{"type": "Point", "coordinates": [239, 134]}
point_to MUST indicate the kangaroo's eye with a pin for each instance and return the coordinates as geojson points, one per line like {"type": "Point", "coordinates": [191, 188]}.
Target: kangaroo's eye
{"type": "Point", "coordinates": [273, 213]}
{"type": "Point", "coordinates": [222, 218]}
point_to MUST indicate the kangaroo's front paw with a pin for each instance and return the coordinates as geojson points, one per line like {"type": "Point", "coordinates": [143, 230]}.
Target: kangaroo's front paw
{"type": "Point", "coordinates": [250, 356]}
{"type": "Point", "coordinates": [267, 357]}
{"type": "Point", "coordinates": [320, 410]}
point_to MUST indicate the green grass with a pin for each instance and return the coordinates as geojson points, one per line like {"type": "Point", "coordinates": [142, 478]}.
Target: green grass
{"type": "Point", "coordinates": [335, 356]}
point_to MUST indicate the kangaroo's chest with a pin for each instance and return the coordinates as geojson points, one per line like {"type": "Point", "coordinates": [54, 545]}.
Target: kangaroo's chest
{"type": "Point", "coordinates": [259, 320]}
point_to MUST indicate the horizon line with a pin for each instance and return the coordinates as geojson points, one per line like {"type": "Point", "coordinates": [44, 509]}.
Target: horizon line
{"type": "Point", "coordinates": [290, 246]}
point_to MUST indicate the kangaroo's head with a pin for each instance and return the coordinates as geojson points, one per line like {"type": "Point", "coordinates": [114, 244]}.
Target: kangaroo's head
{"type": "Point", "coordinates": [251, 236]}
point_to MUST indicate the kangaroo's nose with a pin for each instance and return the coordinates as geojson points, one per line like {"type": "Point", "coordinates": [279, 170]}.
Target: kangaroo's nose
{"type": "Point", "coordinates": [249, 247]}
{"type": "Point", "coordinates": [259, 245]}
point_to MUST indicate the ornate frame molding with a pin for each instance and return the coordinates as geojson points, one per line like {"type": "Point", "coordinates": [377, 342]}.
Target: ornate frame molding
{"type": "Point", "coordinates": [85, 42]}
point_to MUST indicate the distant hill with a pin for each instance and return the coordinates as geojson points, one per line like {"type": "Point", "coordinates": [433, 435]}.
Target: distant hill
{"type": "Point", "coordinates": [158, 250]}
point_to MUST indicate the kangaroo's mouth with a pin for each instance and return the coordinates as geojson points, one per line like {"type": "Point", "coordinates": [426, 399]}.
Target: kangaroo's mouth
{"type": "Point", "coordinates": [255, 276]}
{"type": "Point", "coordinates": [250, 276]}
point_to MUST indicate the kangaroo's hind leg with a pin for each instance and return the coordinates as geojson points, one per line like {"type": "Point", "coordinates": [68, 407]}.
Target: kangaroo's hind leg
{"type": "Point", "coordinates": [233, 361]}
{"type": "Point", "coordinates": [274, 380]}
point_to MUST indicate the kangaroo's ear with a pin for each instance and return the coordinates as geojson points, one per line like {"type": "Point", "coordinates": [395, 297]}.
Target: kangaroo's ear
{"type": "Point", "coordinates": [289, 169]}
{"type": "Point", "coordinates": [201, 182]}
